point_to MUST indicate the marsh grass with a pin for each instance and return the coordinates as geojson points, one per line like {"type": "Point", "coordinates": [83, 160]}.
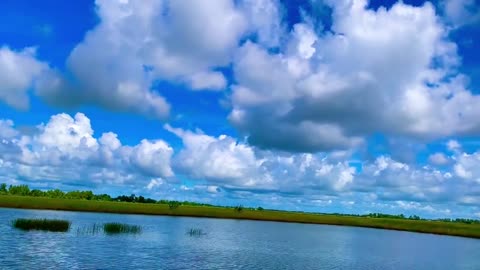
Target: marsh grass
{"type": "Point", "coordinates": [117, 228]}
{"type": "Point", "coordinates": [52, 225]}
{"type": "Point", "coordinates": [195, 232]}
{"type": "Point", "coordinates": [90, 230]}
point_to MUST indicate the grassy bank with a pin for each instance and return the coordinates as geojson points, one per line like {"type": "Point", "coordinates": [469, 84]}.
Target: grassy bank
{"type": "Point", "coordinates": [435, 227]}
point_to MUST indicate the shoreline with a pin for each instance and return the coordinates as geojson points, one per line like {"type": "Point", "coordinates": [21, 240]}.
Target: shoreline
{"type": "Point", "coordinates": [419, 226]}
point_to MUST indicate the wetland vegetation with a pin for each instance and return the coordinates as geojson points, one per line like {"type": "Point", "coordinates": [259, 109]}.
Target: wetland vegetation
{"type": "Point", "coordinates": [52, 225]}
{"type": "Point", "coordinates": [23, 197]}
{"type": "Point", "coordinates": [117, 228]}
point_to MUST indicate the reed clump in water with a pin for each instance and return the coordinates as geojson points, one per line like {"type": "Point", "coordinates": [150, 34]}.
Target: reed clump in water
{"type": "Point", "coordinates": [90, 230]}
{"type": "Point", "coordinates": [117, 228]}
{"type": "Point", "coordinates": [52, 225]}
{"type": "Point", "coordinates": [195, 232]}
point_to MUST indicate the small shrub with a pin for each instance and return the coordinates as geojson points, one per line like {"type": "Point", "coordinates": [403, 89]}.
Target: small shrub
{"type": "Point", "coordinates": [238, 209]}
{"type": "Point", "coordinates": [52, 225]}
{"type": "Point", "coordinates": [116, 228]}
{"type": "Point", "coordinates": [173, 205]}
{"type": "Point", "coordinates": [3, 189]}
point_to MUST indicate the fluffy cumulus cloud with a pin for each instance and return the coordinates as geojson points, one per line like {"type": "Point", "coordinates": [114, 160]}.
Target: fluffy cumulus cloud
{"type": "Point", "coordinates": [224, 161]}
{"type": "Point", "coordinates": [19, 72]}
{"type": "Point", "coordinates": [391, 180]}
{"type": "Point", "coordinates": [265, 20]}
{"type": "Point", "coordinates": [452, 180]}
{"type": "Point", "coordinates": [65, 150]}
{"type": "Point", "coordinates": [138, 43]}
{"type": "Point", "coordinates": [302, 88]}
{"type": "Point", "coordinates": [391, 71]}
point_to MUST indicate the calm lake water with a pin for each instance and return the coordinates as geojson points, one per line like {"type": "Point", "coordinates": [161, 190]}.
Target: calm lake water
{"type": "Point", "coordinates": [227, 244]}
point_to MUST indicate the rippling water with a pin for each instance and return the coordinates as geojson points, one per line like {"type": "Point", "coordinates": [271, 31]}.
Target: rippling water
{"type": "Point", "coordinates": [227, 244]}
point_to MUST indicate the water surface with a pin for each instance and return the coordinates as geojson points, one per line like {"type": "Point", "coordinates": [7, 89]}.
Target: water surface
{"type": "Point", "coordinates": [227, 244]}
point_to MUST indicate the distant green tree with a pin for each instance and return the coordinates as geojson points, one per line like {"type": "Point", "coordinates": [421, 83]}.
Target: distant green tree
{"type": "Point", "coordinates": [238, 208]}
{"type": "Point", "coordinates": [3, 188]}
{"type": "Point", "coordinates": [81, 195]}
{"type": "Point", "coordinates": [259, 208]}
{"type": "Point", "coordinates": [163, 202]}
{"type": "Point", "coordinates": [55, 193]}
{"type": "Point", "coordinates": [102, 197]}
{"type": "Point", "coordinates": [444, 219]}
{"type": "Point", "coordinates": [37, 193]}
{"type": "Point", "coordinates": [148, 200]}
{"type": "Point", "coordinates": [21, 190]}
{"type": "Point", "coordinates": [467, 221]}
{"type": "Point", "coordinates": [173, 204]}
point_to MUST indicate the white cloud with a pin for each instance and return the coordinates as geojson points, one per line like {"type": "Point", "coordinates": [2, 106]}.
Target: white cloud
{"type": "Point", "coordinates": [224, 161]}
{"type": "Point", "coordinates": [66, 150]}
{"type": "Point", "coordinates": [390, 71]}
{"type": "Point", "coordinates": [264, 17]}
{"type": "Point", "coordinates": [213, 189]}
{"type": "Point", "coordinates": [219, 158]}
{"type": "Point", "coordinates": [7, 130]}
{"type": "Point", "coordinates": [154, 183]}
{"type": "Point", "coordinates": [67, 134]}
{"type": "Point", "coordinates": [139, 42]}
{"type": "Point", "coordinates": [19, 70]}
{"type": "Point", "coordinates": [391, 180]}
{"type": "Point", "coordinates": [205, 80]}
{"type": "Point", "coordinates": [153, 158]}
{"type": "Point", "coordinates": [460, 171]}
{"type": "Point", "coordinates": [453, 145]}
{"type": "Point", "coordinates": [461, 12]}
{"type": "Point", "coordinates": [467, 166]}
{"type": "Point", "coordinates": [438, 159]}
{"type": "Point", "coordinates": [425, 208]}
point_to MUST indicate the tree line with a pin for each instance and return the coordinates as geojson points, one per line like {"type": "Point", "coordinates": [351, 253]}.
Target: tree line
{"type": "Point", "coordinates": [24, 190]}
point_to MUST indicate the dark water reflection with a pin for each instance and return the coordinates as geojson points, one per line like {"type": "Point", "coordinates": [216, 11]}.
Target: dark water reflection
{"type": "Point", "coordinates": [227, 244]}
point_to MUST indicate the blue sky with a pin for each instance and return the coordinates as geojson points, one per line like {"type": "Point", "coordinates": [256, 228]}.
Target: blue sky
{"type": "Point", "coordinates": [347, 106]}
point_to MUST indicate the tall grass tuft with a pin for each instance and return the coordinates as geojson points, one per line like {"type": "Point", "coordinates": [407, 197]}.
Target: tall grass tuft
{"type": "Point", "coordinates": [116, 228]}
{"type": "Point", "coordinates": [195, 232]}
{"type": "Point", "coordinates": [90, 230]}
{"type": "Point", "coordinates": [52, 225]}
